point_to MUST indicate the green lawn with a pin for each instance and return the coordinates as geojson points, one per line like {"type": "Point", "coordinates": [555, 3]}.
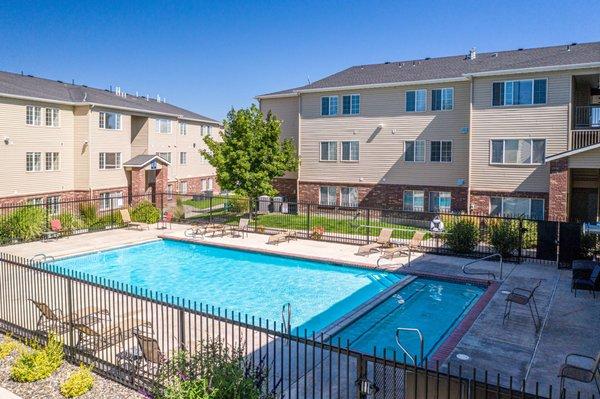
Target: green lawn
{"type": "Point", "coordinates": [205, 203]}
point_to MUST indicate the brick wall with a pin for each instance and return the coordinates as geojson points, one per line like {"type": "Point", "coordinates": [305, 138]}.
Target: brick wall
{"type": "Point", "coordinates": [559, 190]}
{"type": "Point", "coordinates": [480, 200]}
{"type": "Point", "coordinates": [286, 188]}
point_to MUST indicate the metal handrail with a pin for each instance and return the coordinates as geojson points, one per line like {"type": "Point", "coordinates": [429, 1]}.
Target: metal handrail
{"type": "Point", "coordinates": [465, 271]}
{"type": "Point", "coordinates": [287, 308]}
{"type": "Point", "coordinates": [42, 258]}
{"type": "Point", "coordinates": [398, 330]}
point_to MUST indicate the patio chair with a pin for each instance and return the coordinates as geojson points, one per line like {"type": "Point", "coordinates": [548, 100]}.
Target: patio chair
{"type": "Point", "coordinates": [55, 320]}
{"type": "Point", "coordinates": [129, 223]}
{"type": "Point", "coordinates": [92, 339]}
{"type": "Point", "coordinates": [242, 229]}
{"type": "Point", "coordinates": [404, 249]}
{"type": "Point", "coordinates": [54, 232]}
{"type": "Point", "coordinates": [153, 358]}
{"type": "Point", "coordinates": [282, 237]}
{"type": "Point", "coordinates": [577, 372]}
{"type": "Point", "coordinates": [590, 282]}
{"type": "Point", "coordinates": [384, 240]}
{"type": "Point", "coordinates": [525, 297]}
{"type": "Point", "coordinates": [167, 219]}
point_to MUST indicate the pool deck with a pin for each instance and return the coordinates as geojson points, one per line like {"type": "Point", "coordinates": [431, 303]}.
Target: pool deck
{"type": "Point", "coordinates": [569, 324]}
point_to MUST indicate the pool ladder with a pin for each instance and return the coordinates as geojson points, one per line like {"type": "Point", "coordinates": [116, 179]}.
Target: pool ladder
{"type": "Point", "coordinates": [493, 275]}
{"type": "Point", "coordinates": [43, 258]}
{"type": "Point", "coordinates": [286, 317]}
{"type": "Point", "coordinates": [421, 341]}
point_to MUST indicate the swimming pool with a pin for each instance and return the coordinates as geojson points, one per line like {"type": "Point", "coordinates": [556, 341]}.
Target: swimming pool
{"type": "Point", "coordinates": [434, 307]}
{"type": "Point", "coordinates": [240, 281]}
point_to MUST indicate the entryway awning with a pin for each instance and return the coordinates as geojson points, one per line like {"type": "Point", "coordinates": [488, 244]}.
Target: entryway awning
{"type": "Point", "coordinates": [141, 161]}
{"type": "Point", "coordinates": [569, 153]}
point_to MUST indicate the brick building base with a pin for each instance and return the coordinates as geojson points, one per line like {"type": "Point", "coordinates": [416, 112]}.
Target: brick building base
{"type": "Point", "coordinates": [286, 188]}
{"type": "Point", "coordinates": [559, 190]}
{"type": "Point", "coordinates": [480, 200]}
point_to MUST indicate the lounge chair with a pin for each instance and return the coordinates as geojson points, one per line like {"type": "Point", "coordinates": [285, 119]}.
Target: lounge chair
{"type": "Point", "coordinates": [590, 282]}
{"type": "Point", "coordinates": [54, 232]}
{"type": "Point", "coordinates": [384, 240]}
{"type": "Point", "coordinates": [525, 297]}
{"type": "Point", "coordinates": [579, 373]}
{"type": "Point", "coordinates": [129, 223]}
{"type": "Point", "coordinates": [95, 338]}
{"type": "Point", "coordinates": [153, 358]}
{"type": "Point", "coordinates": [404, 249]}
{"type": "Point", "coordinates": [282, 237]}
{"type": "Point", "coordinates": [55, 320]}
{"type": "Point", "coordinates": [242, 228]}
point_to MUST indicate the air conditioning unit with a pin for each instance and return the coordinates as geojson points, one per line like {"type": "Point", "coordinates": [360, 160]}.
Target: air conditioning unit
{"type": "Point", "coordinates": [595, 99]}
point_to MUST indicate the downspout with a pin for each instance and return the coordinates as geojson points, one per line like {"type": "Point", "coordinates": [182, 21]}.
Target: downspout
{"type": "Point", "coordinates": [89, 148]}
{"type": "Point", "coordinates": [299, 146]}
{"type": "Point", "coordinates": [470, 132]}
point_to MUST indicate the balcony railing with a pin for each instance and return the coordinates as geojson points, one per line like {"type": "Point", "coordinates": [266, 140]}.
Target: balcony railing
{"type": "Point", "coordinates": [587, 116]}
{"type": "Point", "coordinates": [584, 137]}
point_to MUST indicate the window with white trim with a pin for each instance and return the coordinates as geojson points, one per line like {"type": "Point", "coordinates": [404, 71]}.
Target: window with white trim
{"type": "Point", "coordinates": [165, 155]}
{"type": "Point", "coordinates": [35, 201]}
{"type": "Point", "coordinates": [169, 191]}
{"type": "Point", "coordinates": [109, 121]}
{"type": "Point", "coordinates": [163, 125]}
{"type": "Point", "coordinates": [111, 200]}
{"type": "Point", "coordinates": [440, 201]}
{"type": "Point", "coordinates": [416, 100]}
{"type": "Point", "coordinates": [52, 161]}
{"type": "Point", "coordinates": [531, 208]}
{"type": "Point", "coordinates": [183, 128]}
{"type": "Point", "coordinates": [109, 160]}
{"type": "Point", "coordinates": [518, 151]}
{"type": "Point", "coordinates": [33, 115]}
{"type": "Point", "coordinates": [329, 105]}
{"type": "Point", "coordinates": [52, 117]}
{"type": "Point", "coordinates": [203, 184]}
{"type": "Point", "coordinates": [349, 196]}
{"type": "Point", "coordinates": [414, 151]}
{"type": "Point", "coordinates": [442, 99]}
{"type": "Point", "coordinates": [183, 158]}
{"type": "Point", "coordinates": [328, 151]}
{"type": "Point", "coordinates": [183, 187]}
{"type": "Point", "coordinates": [53, 204]}
{"type": "Point", "coordinates": [33, 162]}
{"type": "Point", "coordinates": [327, 195]}
{"type": "Point", "coordinates": [413, 200]}
{"type": "Point", "coordinates": [209, 184]}
{"type": "Point", "coordinates": [350, 151]}
{"type": "Point", "coordinates": [519, 92]}
{"type": "Point", "coordinates": [440, 151]}
{"type": "Point", "coordinates": [351, 104]}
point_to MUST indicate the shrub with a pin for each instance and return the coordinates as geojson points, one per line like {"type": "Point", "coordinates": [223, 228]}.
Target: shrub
{"type": "Point", "coordinates": [239, 204]}
{"type": "Point", "coordinates": [504, 237]}
{"type": "Point", "coordinates": [189, 389]}
{"type": "Point", "coordinates": [70, 222]}
{"type": "Point", "coordinates": [317, 232]}
{"type": "Point", "coordinates": [89, 214]}
{"type": "Point", "coordinates": [78, 383]}
{"type": "Point", "coordinates": [463, 236]}
{"type": "Point", "coordinates": [38, 364]}
{"type": "Point", "coordinates": [145, 212]}
{"type": "Point", "coordinates": [7, 347]}
{"type": "Point", "coordinates": [26, 223]}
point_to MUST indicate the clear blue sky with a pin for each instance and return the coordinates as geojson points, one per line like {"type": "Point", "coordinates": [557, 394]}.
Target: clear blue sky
{"type": "Point", "coordinates": [209, 56]}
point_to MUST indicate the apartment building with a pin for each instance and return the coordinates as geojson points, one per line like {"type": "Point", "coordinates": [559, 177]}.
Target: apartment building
{"type": "Point", "coordinates": [61, 141]}
{"type": "Point", "coordinates": [502, 133]}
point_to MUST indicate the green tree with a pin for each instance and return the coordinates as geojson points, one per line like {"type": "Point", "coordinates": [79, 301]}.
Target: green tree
{"type": "Point", "coordinates": [250, 153]}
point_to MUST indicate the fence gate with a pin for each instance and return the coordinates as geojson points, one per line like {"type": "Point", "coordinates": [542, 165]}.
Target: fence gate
{"type": "Point", "coordinates": [570, 242]}
{"type": "Point", "coordinates": [547, 240]}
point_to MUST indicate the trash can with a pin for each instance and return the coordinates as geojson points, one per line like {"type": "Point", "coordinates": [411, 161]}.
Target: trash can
{"type": "Point", "coordinates": [263, 203]}
{"type": "Point", "coordinates": [277, 201]}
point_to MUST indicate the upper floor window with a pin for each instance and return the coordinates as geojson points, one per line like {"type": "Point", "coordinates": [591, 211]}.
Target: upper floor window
{"type": "Point", "coordinates": [349, 196]}
{"type": "Point", "coordinates": [329, 105]}
{"type": "Point", "coordinates": [350, 150]}
{"type": "Point", "coordinates": [519, 92]}
{"type": "Point", "coordinates": [163, 126]}
{"type": "Point", "coordinates": [329, 151]}
{"type": "Point", "coordinates": [205, 130]}
{"type": "Point", "coordinates": [518, 151]}
{"type": "Point", "coordinates": [52, 117]}
{"type": "Point", "coordinates": [33, 115]}
{"type": "Point", "coordinates": [327, 195]}
{"type": "Point", "coordinates": [414, 200]}
{"type": "Point", "coordinates": [351, 104]}
{"type": "Point", "coordinates": [52, 161]}
{"type": "Point", "coordinates": [165, 155]}
{"type": "Point", "coordinates": [440, 201]}
{"type": "Point", "coordinates": [532, 208]}
{"type": "Point", "coordinates": [414, 151]}
{"type": "Point", "coordinates": [33, 162]}
{"type": "Point", "coordinates": [416, 100]}
{"type": "Point", "coordinates": [182, 128]}
{"type": "Point", "coordinates": [441, 151]}
{"type": "Point", "coordinates": [110, 121]}
{"type": "Point", "coordinates": [183, 158]}
{"type": "Point", "coordinates": [442, 99]}
{"type": "Point", "coordinates": [109, 160]}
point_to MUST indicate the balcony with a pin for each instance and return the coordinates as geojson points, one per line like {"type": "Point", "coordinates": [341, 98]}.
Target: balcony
{"type": "Point", "coordinates": [586, 123]}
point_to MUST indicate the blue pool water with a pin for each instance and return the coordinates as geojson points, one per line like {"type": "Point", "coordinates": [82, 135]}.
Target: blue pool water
{"type": "Point", "coordinates": [250, 283]}
{"type": "Point", "coordinates": [433, 306]}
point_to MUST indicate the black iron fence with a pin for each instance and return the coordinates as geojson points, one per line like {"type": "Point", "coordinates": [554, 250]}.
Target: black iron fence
{"type": "Point", "coordinates": [39, 298]}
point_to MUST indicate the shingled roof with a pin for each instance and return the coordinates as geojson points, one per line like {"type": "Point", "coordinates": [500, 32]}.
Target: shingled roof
{"type": "Point", "coordinates": [454, 67]}
{"type": "Point", "coordinates": [17, 85]}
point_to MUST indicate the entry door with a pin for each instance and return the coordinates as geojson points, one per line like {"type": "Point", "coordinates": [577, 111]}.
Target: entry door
{"type": "Point", "coordinates": [584, 204]}
{"type": "Point", "coordinates": [151, 183]}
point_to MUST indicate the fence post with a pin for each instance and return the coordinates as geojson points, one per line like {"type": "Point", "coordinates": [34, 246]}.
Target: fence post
{"type": "Point", "coordinates": [521, 236]}
{"type": "Point", "coordinates": [368, 226]}
{"type": "Point", "coordinates": [112, 218]}
{"type": "Point", "coordinates": [181, 329]}
{"type": "Point", "coordinates": [70, 310]}
{"type": "Point", "coordinates": [210, 204]}
{"type": "Point", "coordinates": [47, 214]}
{"type": "Point", "coordinates": [308, 220]}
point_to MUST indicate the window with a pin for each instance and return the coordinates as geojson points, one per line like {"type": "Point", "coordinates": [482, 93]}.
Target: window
{"type": "Point", "coordinates": [183, 158]}
{"type": "Point", "coordinates": [329, 105]}
{"type": "Point", "coordinates": [203, 184]}
{"type": "Point", "coordinates": [350, 150]}
{"type": "Point", "coordinates": [184, 187]}
{"type": "Point", "coordinates": [518, 151]}
{"type": "Point", "coordinates": [349, 196]}
{"type": "Point", "coordinates": [110, 160]}
{"type": "Point", "coordinates": [33, 115]}
{"type": "Point", "coordinates": [165, 155]}
{"type": "Point", "coordinates": [52, 161]}
{"type": "Point", "coordinates": [351, 104]}
{"type": "Point", "coordinates": [442, 99]}
{"type": "Point", "coordinates": [416, 100]}
{"type": "Point", "coordinates": [35, 201]}
{"type": "Point", "coordinates": [53, 204]}
{"type": "Point", "coordinates": [110, 121]}
{"type": "Point", "coordinates": [414, 201]}
{"type": "Point", "coordinates": [440, 201]}
{"type": "Point", "coordinates": [531, 208]}
{"type": "Point", "coordinates": [33, 162]}
{"type": "Point", "coordinates": [209, 183]}
{"type": "Point", "coordinates": [329, 151]}
{"type": "Point", "coordinates": [163, 126]}
{"type": "Point", "coordinates": [52, 117]}
{"type": "Point", "coordinates": [327, 195]}
{"type": "Point", "coordinates": [203, 160]}
{"type": "Point", "coordinates": [519, 92]}
{"type": "Point", "coordinates": [414, 151]}
{"type": "Point", "coordinates": [183, 128]}
{"type": "Point", "coordinates": [169, 191]}
{"type": "Point", "coordinates": [204, 130]}
{"type": "Point", "coordinates": [441, 151]}
{"type": "Point", "coordinates": [112, 200]}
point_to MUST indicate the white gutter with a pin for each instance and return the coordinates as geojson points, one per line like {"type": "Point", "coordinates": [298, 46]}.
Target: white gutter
{"type": "Point", "coordinates": [535, 69]}
{"type": "Point", "coordinates": [281, 95]}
